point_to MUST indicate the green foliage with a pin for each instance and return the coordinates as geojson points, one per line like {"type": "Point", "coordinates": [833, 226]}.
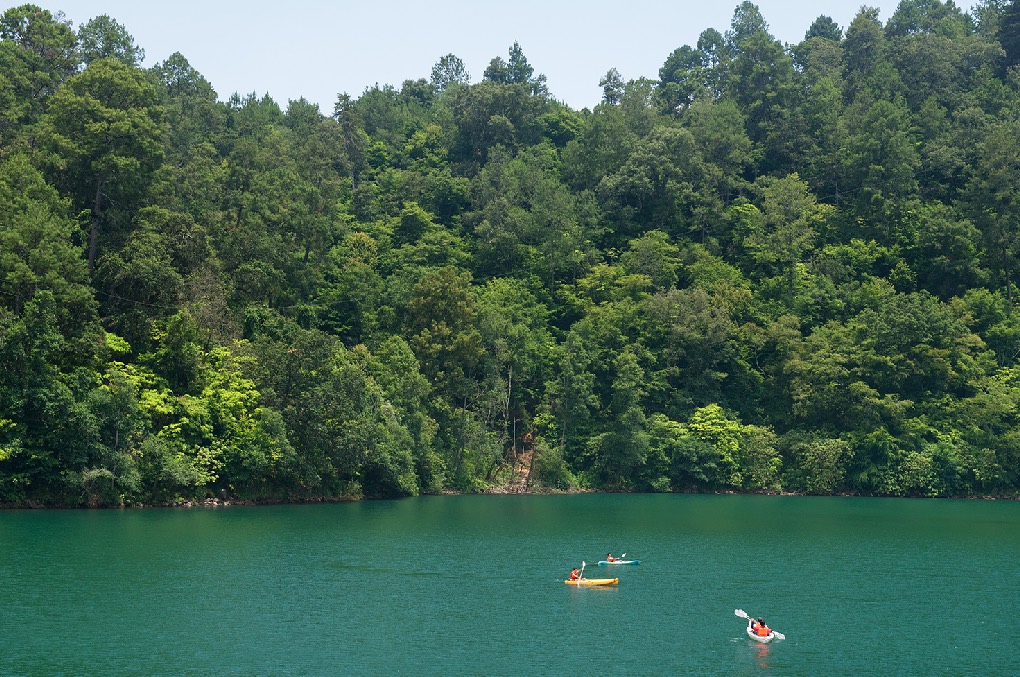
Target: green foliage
{"type": "Point", "coordinates": [37, 55]}
{"type": "Point", "coordinates": [449, 71]}
{"type": "Point", "coordinates": [710, 425]}
{"type": "Point", "coordinates": [37, 247]}
{"type": "Point", "coordinates": [103, 134]}
{"type": "Point", "coordinates": [816, 465]}
{"type": "Point", "coordinates": [770, 268]}
{"type": "Point", "coordinates": [104, 38]}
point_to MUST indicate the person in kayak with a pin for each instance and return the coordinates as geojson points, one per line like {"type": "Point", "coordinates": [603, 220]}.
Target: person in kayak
{"type": "Point", "coordinates": [760, 628]}
{"type": "Point", "coordinates": [575, 574]}
{"type": "Point", "coordinates": [609, 557]}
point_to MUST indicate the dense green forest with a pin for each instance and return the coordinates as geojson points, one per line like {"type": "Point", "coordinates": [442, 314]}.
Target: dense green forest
{"type": "Point", "coordinates": [770, 268]}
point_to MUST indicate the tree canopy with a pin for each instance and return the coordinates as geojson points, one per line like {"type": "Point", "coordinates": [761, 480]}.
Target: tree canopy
{"type": "Point", "coordinates": [766, 267]}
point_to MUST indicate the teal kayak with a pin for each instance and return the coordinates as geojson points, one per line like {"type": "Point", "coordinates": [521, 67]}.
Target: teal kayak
{"type": "Point", "coordinates": [619, 561]}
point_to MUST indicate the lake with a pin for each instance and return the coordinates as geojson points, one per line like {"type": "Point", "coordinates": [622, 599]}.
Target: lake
{"type": "Point", "coordinates": [473, 585]}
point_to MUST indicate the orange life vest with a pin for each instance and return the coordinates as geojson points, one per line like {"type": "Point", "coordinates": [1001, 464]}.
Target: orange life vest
{"type": "Point", "coordinates": [761, 630]}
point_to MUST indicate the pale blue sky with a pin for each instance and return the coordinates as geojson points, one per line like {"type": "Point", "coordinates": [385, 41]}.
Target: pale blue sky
{"type": "Point", "coordinates": [317, 49]}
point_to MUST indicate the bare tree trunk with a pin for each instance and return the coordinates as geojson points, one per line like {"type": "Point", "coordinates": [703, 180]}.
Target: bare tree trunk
{"type": "Point", "coordinates": [506, 410]}
{"type": "Point", "coordinates": [1006, 274]}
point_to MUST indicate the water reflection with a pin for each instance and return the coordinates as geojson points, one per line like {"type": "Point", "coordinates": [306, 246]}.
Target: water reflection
{"type": "Point", "coordinates": [762, 656]}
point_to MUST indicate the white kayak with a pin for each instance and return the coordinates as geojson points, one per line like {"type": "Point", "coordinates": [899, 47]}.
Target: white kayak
{"type": "Point", "coordinates": [764, 639]}
{"type": "Point", "coordinates": [619, 561]}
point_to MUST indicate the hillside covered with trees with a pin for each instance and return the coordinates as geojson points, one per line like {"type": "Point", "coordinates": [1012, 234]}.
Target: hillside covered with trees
{"type": "Point", "coordinates": [768, 268]}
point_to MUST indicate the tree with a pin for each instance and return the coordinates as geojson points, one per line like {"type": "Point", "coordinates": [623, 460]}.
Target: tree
{"type": "Point", "coordinates": [397, 371]}
{"type": "Point", "coordinates": [864, 50]}
{"type": "Point", "coordinates": [139, 275]}
{"type": "Point", "coordinates": [518, 68]}
{"type": "Point", "coordinates": [1009, 34]}
{"type": "Point", "coordinates": [525, 219]}
{"type": "Point", "coordinates": [682, 79]}
{"type": "Point", "coordinates": [441, 327]}
{"type": "Point", "coordinates": [111, 474]}
{"type": "Point", "coordinates": [657, 186]}
{"type": "Point", "coordinates": [987, 16]}
{"type": "Point", "coordinates": [105, 137]}
{"type": "Point", "coordinates": [880, 162]}
{"type": "Point", "coordinates": [820, 54]}
{"type": "Point", "coordinates": [824, 27]}
{"type": "Point", "coordinates": [322, 168]}
{"type": "Point", "coordinates": [936, 52]}
{"type": "Point", "coordinates": [449, 71]}
{"type": "Point", "coordinates": [913, 17]}
{"type": "Point", "coordinates": [710, 425]}
{"type": "Point", "coordinates": [993, 203]}
{"type": "Point", "coordinates": [36, 363]}
{"type": "Point", "coordinates": [771, 267]}
{"type": "Point", "coordinates": [190, 104]}
{"type": "Point", "coordinates": [189, 179]}
{"type": "Point", "coordinates": [599, 149]}
{"type": "Point", "coordinates": [37, 251]}
{"type": "Point", "coordinates": [37, 54]}
{"type": "Point", "coordinates": [513, 325]}
{"type": "Point", "coordinates": [713, 45]}
{"type": "Point", "coordinates": [655, 256]}
{"type": "Point", "coordinates": [825, 123]}
{"type": "Point", "coordinates": [944, 253]}
{"type": "Point", "coordinates": [719, 133]}
{"type": "Point", "coordinates": [620, 452]}
{"type": "Point", "coordinates": [494, 113]}
{"type": "Point", "coordinates": [516, 71]}
{"type": "Point", "coordinates": [817, 465]}
{"type": "Point", "coordinates": [692, 332]}
{"type": "Point", "coordinates": [612, 87]}
{"type": "Point", "coordinates": [497, 71]}
{"type": "Point", "coordinates": [352, 133]}
{"type": "Point", "coordinates": [759, 76]}
{"type": "Point", "coordinates": [867, 373]}
{"type": "Point", "coordinates": [105, 38]}
{"type": "Point", "coordinates": [791, 218]}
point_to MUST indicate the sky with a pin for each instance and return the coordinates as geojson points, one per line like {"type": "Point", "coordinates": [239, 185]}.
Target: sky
{"type": "Point", "coordinates": [318, 49]}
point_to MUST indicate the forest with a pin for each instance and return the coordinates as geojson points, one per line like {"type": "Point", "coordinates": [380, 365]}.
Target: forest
{"type": "Point", "coordinates": [767, 268]}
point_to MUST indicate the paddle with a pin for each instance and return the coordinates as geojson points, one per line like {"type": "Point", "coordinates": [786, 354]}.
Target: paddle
{"type": "Point", "coordinates": [742, 614]}
{"type": "Point", "coordinates": [581, 576]}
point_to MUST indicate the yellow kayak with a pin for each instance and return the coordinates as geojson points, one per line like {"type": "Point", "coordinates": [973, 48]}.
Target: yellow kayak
{"type": "Point", "coordinates": [594, 581]}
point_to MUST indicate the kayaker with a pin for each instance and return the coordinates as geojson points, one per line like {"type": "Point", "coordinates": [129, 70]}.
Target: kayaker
{"type": "Point", "coordinates": [609, 557]}
{"type": "Point", "coordinates": [760, 628]}
{"type": "Point", "coordinates": [575, 574]}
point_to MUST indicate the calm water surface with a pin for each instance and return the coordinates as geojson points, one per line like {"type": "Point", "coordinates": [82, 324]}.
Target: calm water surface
{"type": "Point", "coordinates": [472, 585]}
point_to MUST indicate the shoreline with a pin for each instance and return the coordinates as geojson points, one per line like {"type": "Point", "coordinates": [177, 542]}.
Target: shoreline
{"type": "Point", "coordinates": [213, 502]}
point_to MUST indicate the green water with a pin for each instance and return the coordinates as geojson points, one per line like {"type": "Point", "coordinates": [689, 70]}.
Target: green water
{"type": "Point", "coordinates": [473, 585]}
